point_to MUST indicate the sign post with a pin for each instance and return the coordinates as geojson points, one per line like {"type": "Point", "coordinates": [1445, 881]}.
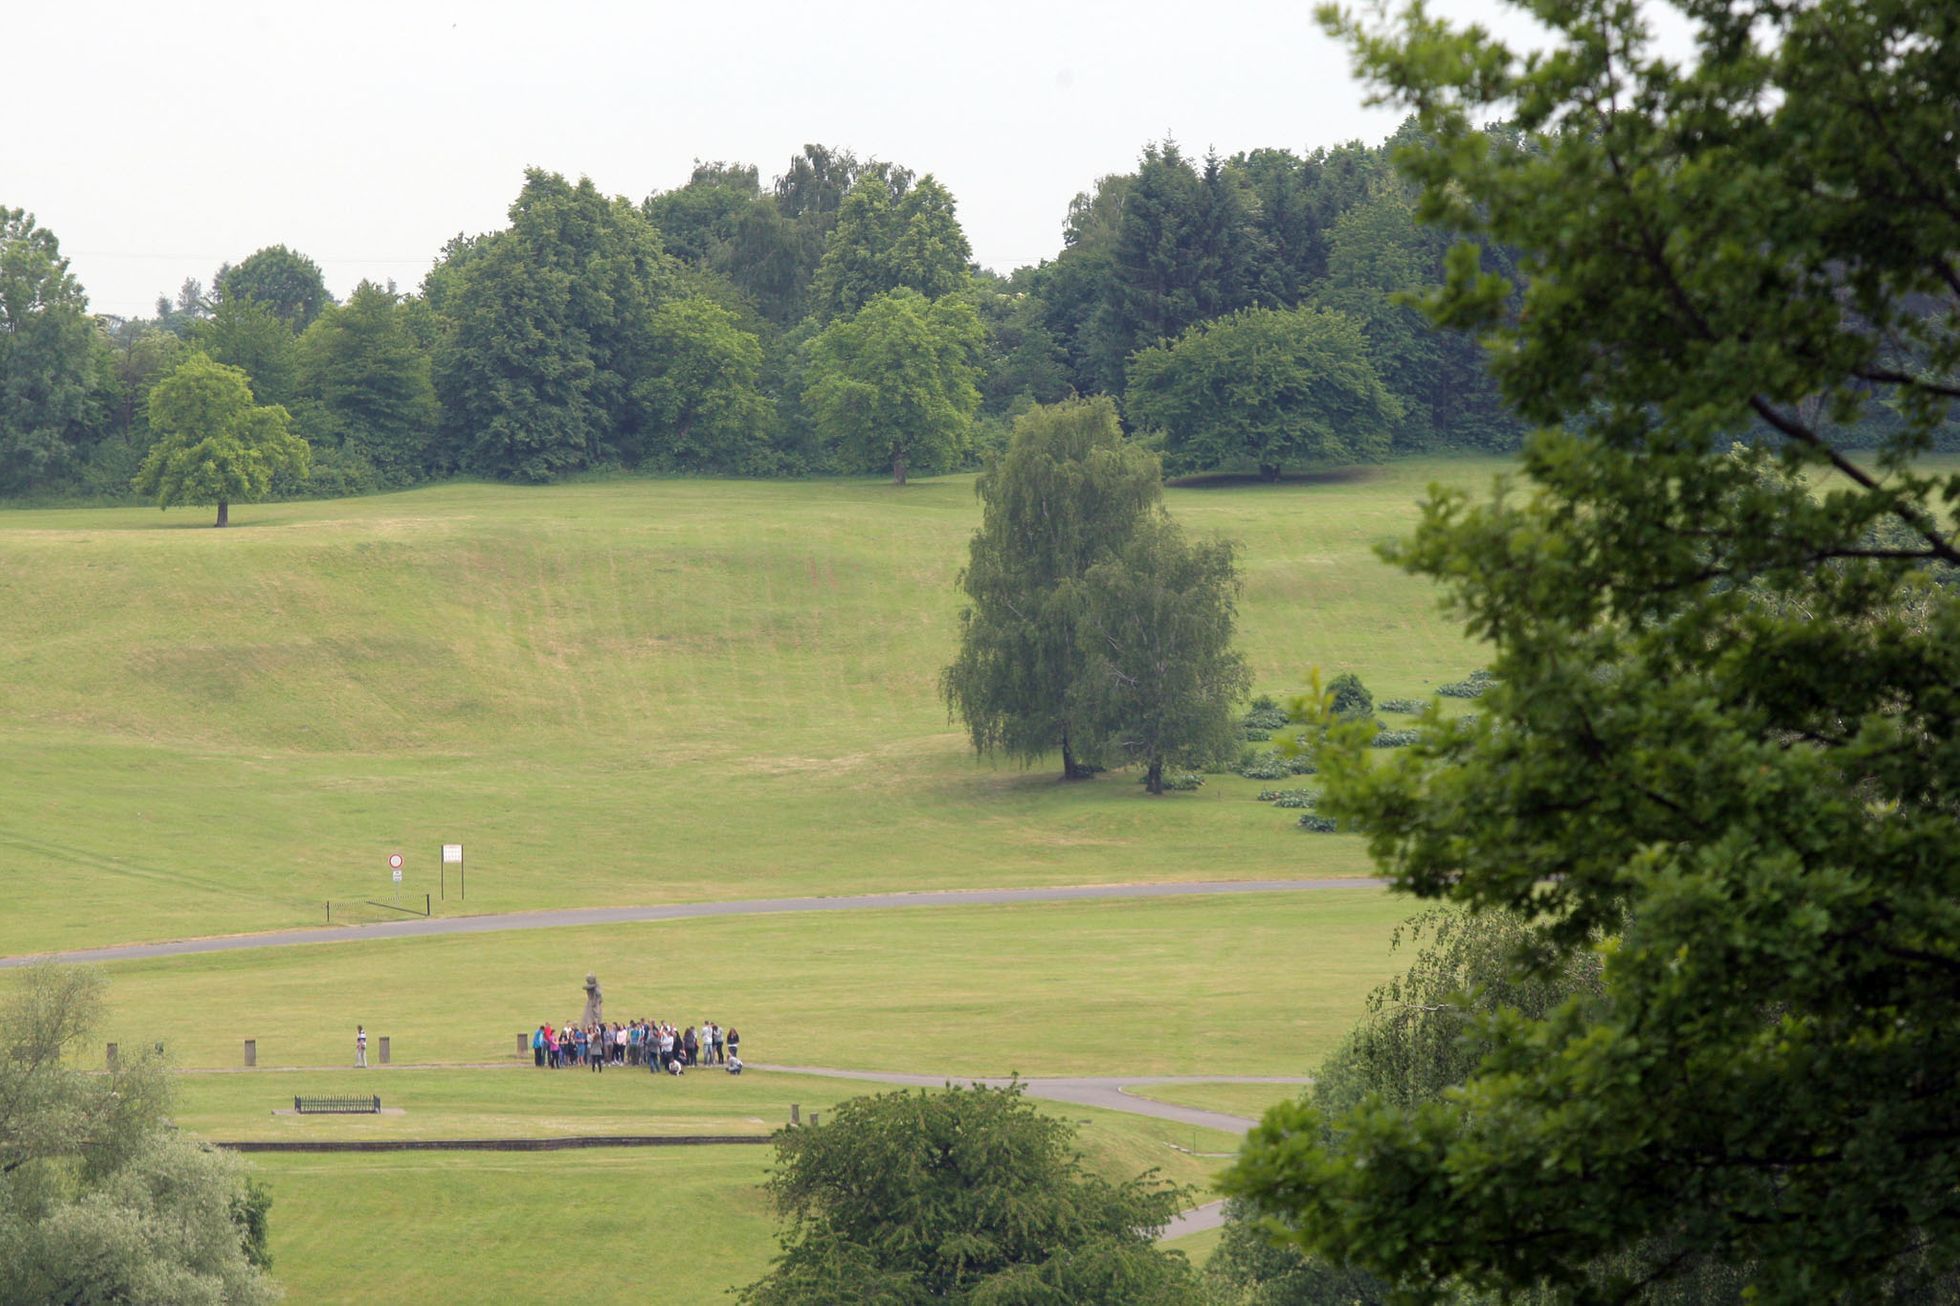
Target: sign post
{"type": "Point", "coordinates": [452, 855]}
{"type": "Point", "coordinates": [395, 870]}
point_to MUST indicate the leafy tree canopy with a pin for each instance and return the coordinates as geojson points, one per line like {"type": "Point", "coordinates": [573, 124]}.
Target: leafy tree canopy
{"type": "Point", "coordinates": [49, 392]}
{"type": "Point", "coordinates": [284, 281]}
{"type": "Point", "coordinates": [1161, 682]}
{"type": "Point", "coordinates": [700, 391]}
{"type": "Point", "coordinates": [214, 445]}
{"type": "Point", "coordinates": [250, 336]}
{"type": "Point", "coordinates": [101, 1199]}
{"type": "Point", "coordinates": [1266, 386]}
{"type": "Point", "coordinates": [962, 1195]}
{"type": "Point", "coordinates": [368, 379]}
{"type": "Point", "coordinates": [1723, 729]}
{"type": "Point", "coordinates": [893, 384]}
{"type": "Point", "coordinates": [890, 236]}
{"type": "Point", "coordinates": [1068, 494]}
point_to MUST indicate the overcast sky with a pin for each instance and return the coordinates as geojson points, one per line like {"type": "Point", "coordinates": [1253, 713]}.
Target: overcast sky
{"type": "Point", "coordinates": [158, 140]}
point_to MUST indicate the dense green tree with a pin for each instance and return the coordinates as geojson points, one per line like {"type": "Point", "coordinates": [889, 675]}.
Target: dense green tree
{"type": "Point", "coordinates": [1068, 494]}
{"type": "Point", "coordinates": [287, 282]}
{"type": "Point", "coordinates": [251, 336]}
{"type": "Point", "coordinates": [890, 236]}
{"type": "Point", "coordinates": [894, 384]}
{"type": "Point", "coordinates": [101, 1199]}
{"type": "Point", "coordinates": [50, 400]}
{"type": "Point", "coordinates": [547, 329]}
{"type": "Point", "coordinates": [1724, 719]}
{"type": "Point", "coordinates": [961, 1195]}
{"type": "Point", "coordinates": [1266, 386]}
{"type": "Point", "coordinates": [1161, 682]}
{"type": "Point", "coordinates": [698, 221]}
{"type": "Point", "coordinates": [214, 445]}
{"type": "Point", "coordinates": [704, 410]}
{"type": "Point", "coordinates": [367, 380]}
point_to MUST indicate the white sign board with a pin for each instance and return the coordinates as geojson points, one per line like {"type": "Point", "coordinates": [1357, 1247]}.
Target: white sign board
{"type": "Point", "coordinates": [398, 875]}
{"type": "Point", "coordinates": [452, 854]}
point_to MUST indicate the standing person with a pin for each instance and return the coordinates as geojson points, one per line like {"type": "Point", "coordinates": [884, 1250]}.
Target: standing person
{"type": "Point", "coordinates": [734, 1042]}
{"type": "Point", "coordinates": [715, 1044]}
{"type": "Point", "coordinates": [360, 1047]}
{"type": "Point", "coordinates": [537, 1047]}
{"type": "Point", "coordinates": [690, 1049]}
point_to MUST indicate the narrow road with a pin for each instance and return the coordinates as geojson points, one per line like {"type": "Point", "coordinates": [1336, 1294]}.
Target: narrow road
{"type": "Point", "coordinates": [1106, 1092]}
{"type": "Point", "coordinates": [568, 917]}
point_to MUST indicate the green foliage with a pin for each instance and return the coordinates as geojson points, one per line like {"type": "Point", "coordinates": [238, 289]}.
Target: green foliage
{"type": "Point", "coordinates": [50, 399]}
{"type": "Point", "coordinates": [283, 281]}
{"type": "Point", "coordinates": [368, 383]}
{"type": "Point", "coordinates": [1274, 763]}
{"type": "Point", "coordinates": [890, 235]}
{"type": "Point", "coordinates": [699, 393]}
{"type": "Point", "coordinates": [1266, 386]}
{"type": "Point", "coordinates": [214, 445]}
{"type": "Point", "coordinates": [547, 327]}
{"type": "Point", "coordinates": [1264, 717]}
{"type": "Point", "coordinates": [1386, 738]}
{"type": "Point", "coordinates": [893, 384]}
{"type": "Point", "coordinates": [250, 336]}
{"type": "Point", "coordinates": [1471, 686]}
{"type": "Point", "coordinates": [1402, 706]}
{"type": "Point", "coordinates": [1068, 494]}
{"type": "Point", "coordinates": [1722, 724]}
{"type": "Point", "coordinates": [963, 1195]}
{"type": "Point", "coordinates": [1318, 824]}
{"type": "Point", "coordinates": [1161, 677]}
{"type": "Point", "coordinates": [1348, 699]}
{"type": "Point", "coordinates": [1179, 782]}
{"type": "Point", "coordinates": [101, 1200]}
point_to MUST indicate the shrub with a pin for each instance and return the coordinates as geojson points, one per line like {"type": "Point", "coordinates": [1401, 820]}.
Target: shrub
{"type": "Point", "coordinates": [1271, 764]}
{"type": "Point", "coordinates": [1176, 781]}
{"type": "Point", "coordinates": [1263, 718]}
{"type": "Point", "coordinates": [1349, 698]}
{"type": "Point", "coordinates": [1401, 706]}
{"type": "Point", "coordinates": [1294, 799]}
{"type": "Point", "coordinates": [1317, 824]}
{"type": "Point", "coordinates": [1471, 686]}
{"type": "Point", "coordinates": [1394, 738]}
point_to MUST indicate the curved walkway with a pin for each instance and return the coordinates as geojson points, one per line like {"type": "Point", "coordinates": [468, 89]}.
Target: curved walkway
{"type": "Point", "coordinates": [563, 918]}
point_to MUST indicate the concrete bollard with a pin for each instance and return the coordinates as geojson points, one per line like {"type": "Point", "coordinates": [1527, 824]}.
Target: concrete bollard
{"type": "Point", "coordinates": [384, 1049]}
{"type": "Point", "coordinates": [112, 1056]}
{"type": "Point", "coordinates": [251, 1052]}
{"type": "Point", "coordinates": [795, 1114]}
{"type": "Point", "coordinates": [523, 1044]}
{"type": "Point", "coordinates": [813, 1120]}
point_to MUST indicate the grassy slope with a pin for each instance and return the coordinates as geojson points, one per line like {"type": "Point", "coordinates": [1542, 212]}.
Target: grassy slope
{"type": "Point", "coordinates": [615, 692]}
{"type": "Point", "coordinates": [1253, 984]}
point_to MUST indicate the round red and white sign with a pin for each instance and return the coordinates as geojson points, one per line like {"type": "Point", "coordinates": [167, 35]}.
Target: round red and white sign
{"type": "Point", "coordinates": [395, 861]}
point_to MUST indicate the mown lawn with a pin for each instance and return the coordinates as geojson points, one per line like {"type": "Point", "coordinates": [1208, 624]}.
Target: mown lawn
{"type": "Point", "coordinates": [614, 692]}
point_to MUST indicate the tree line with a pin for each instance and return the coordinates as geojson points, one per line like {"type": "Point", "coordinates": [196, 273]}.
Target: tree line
{"type": "Point", "coordinates": [1244, 312]}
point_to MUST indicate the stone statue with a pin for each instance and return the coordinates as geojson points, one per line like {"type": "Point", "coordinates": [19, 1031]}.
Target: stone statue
{"type": "Point", "coordinates": [595, 1002]}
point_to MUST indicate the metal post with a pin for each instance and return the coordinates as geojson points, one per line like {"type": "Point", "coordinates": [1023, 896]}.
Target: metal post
{"type": "Point", "coordinates": [795, 1113]}
{"type": "Point", "coordinates": [251, 1052]}
{"type": "Point", "coordinates": [384, 1049]}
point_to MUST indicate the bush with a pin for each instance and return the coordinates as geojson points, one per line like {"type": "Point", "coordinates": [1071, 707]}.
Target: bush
{"type": "Point", "coordinates": [1394, 738]}
{"type": "Point", "coordinates": [1401, 706]}
{"type": "Point", "coordinates": [1471, 686]}
{"type": "Point", "coordinates": [1263, 718]}
{"type": "Point", "coordinates": [1317, 824]}
{"type": "Point", "coordinates": [1176, 781]}
{"type": "Point", "coordinates": [1349, 698]}
{"type": "Point", "coordinates": [1271, 764]}
{"type": "Point", "coordinates": [1295, 799]}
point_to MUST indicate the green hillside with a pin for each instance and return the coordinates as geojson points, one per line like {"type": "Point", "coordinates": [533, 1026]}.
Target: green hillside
{"type": "Point", "coordinates": [613, 692]}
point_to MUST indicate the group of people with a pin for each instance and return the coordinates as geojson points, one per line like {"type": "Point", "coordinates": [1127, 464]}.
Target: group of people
{"type": "Point", "coordinates": [659, 1047]}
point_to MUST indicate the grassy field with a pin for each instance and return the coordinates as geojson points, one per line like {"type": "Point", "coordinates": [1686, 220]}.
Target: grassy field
{"type": "Point", "coordinates": [1243, 984]}
{"type": "Point", "coordinates": [631, 691]}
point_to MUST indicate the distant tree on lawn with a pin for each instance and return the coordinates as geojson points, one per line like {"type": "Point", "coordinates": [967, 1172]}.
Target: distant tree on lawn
{"type": "Point", "coordinates": [1069, 493]}
{"type": "Point", "coordinates": [214, 444]}
{"type": "Point", "coordinates": [1268, 386]}
{"type": "Point", "coordinates": [248, 335]}
{"type": "Point", "coordinates": [49, 402]}
{"type": "Point", "coordinates": [961, 1195]}
{"type": "Point", "coordinates": [894, 383]}
{"type": "Point", "coordinates": [1161, 682]}
{"type": "Point", "coordinates": [101, 1198]}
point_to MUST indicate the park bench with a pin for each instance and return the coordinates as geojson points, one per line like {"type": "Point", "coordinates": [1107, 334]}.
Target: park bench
{"type": "Point", "coordinates": [308, 1106]}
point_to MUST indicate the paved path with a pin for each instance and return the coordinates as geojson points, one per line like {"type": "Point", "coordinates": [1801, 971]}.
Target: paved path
{"type": "Point", "coordinates": [572, 916]}
{"type": "Point", "coordinates": [1107, 1092]}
